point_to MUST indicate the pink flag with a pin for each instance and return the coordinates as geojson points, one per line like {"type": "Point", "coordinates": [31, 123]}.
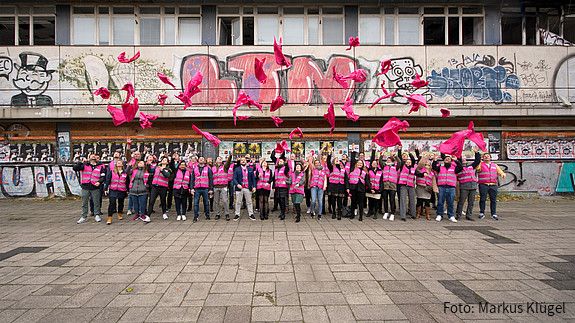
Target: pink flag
{"type": "Point", "coordinates": [130, 92]}
{"type": "Point", "coordinates": [192, 88]}
{"type": "Point", "coordinates": [259, 70]}
{"type": "Point", "coordinates": [454, 145]}
{"type": "Point", "coordinates": [388, 135]}
{"type": "Point", "coordinates": [281, 147]}
{"type": "Point", "coordinates": [385, 67]}
{"type": "Point", "coordinates": [277, 120]}
{"type": "Point", "coordinates": [353, 42]}
{"type": "Point", "coordinates": [386, 95]}
{"type": "Point", "coordinates": [245, 99]}
{"type": "Point", "coordinates": [117, 115]}
{"type": "Point", "coordinates": [162, 99]}
{"type": "Point", "coordinates": [296, 132]}
{"type": "Point", "coordinates": [103, 93]}
{"type": "Point", "coordinates": [146, 120]}
{"type": "Point", "coordinates": [348, 109]}
{"type": "Point", "coordinates": [359, 76]}
{"type": "Point", "coordinates": [277, 103]}
{"type": "Point", "coordinates": [445, 113]}
{"type": "Point", "coordinates": [340, 79]}
{"type": "Point", "coordinates": [165, 79]}
{"type": "Point", "coordinates": [330, 117]}
{"type": "Point", "coordinates": [418, 82]}
{"type": "Point", "coordinates": [211, 138]}
{"type": "Point", "coordinates": [130, 109]}
{"type": "Point", "coordinates": [122, 57]}
{"type": "Point", "coordinates": [281, 60]}
{"type": "Point", "coordinates": [417, 101]}
{"type": "Point", "coordinates": [242, 118]}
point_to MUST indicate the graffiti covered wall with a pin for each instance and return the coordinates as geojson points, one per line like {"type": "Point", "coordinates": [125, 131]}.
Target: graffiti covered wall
{"type": "Point", "coordinates": [38, 181]}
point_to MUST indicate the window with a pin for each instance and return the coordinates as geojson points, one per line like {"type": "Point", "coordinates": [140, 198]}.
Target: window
{"type": "Point", "coordinates": [235, 26]}
{"type": "Point", "coordinates": [332, 30]}
{"type": "Point", "coordinates": [189, 31]}
{"type": "Point", "coordinates": [408, 30]}
{"type": "Point", "coordinates": [267, 29]}
{"type": "Point", "coordinates": [511, 29]}
{"type": "Point", "coordinates": [370, 26]}
{"type": "Point", "coordinates": [434, 31]}
{"type": "Point", "coordinates": [123, 30]}
{"type": "Point", "coordinates": [293, 30]}
{"type": "Point", "coordinates": [313, 28]}
{"type": "Point", "coordinates": [150, 26]}
{"type": "Point", "coordinates": [27, 26]}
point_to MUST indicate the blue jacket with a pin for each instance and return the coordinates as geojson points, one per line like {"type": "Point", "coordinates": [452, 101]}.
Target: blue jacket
{"type": "Point", "coordinates": [239, 177]}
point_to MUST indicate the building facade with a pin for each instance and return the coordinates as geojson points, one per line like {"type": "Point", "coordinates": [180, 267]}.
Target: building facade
{"type": "Point", "coordinates": [508, 66]}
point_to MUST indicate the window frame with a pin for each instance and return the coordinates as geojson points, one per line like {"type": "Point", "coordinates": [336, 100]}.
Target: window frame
{"type": "Point", "coordinates": [381, 17]}
{"type": "Point", "coordinates": [30, 15]}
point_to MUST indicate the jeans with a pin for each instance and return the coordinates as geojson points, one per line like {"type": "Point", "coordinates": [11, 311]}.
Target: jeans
{"type": "Point", "coordinates": [388, 197]}
{"type": "Point", "coordinates": [282, 200]}
{"type": "Point", "coordinates": [221, 201]}
{"type": "Point", "coordinates": [316, 200]}
{"type": "Point", "coordinates": [484, 190]}
{"type": "Point", "coordinates": [203, 193]}
{"type": "Point", "coordinates": [181, 203]}
{"type": "Point", "coordinates": [407, 201]}
{"type": "Point", "coordinates": [86, 196]}
{"type": "Point", "coordinates": [446, 194]}
{"type": "Point", "coordinates": [116, 205]}
{"type": "Point", "coordinates": [244, 194]}
{"type": "Point", "coordinates": [469, 196]}
{"type": "Point", "coordinates": [162, 192]}
{"type": "Point", "coordinates": [130, 204]}
{"type": "Point", "coordinates": [138, 203]}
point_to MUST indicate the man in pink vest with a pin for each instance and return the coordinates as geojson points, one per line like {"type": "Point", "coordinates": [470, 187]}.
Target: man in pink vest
{"type": "Point", "coordinates": [202, 184]}
{"type": "Point", "coordinates": [487, 176]}
{"type": "Point", "coordinates": [446, 175]}
{"type": "Point", "coordinates": [221, 179]}
{"type": "Point", "coordinates": [92, 176]}
{"type": "Point", "coordinates": [467, 187]}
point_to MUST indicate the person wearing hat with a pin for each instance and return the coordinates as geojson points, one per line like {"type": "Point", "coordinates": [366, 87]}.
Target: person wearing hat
{"type": "Point", "coordinates": [487, 178]}
{"type": "Point", "coordinates": [446, 176]}
{"type": "Point", "coordinates": [32, 79]}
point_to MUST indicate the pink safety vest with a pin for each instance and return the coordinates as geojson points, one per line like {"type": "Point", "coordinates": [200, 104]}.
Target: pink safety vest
{"type": "Point", "coordinates": [426, 180]}
{"type": "Point", "coordinates": [92, 176]}
{"type": "Point", "coordinates": [245, 179]}
{"type": "Point", "coordinates": [375, 179]}
{"type": "Point", "coordinates": [263, 180]}
{"type": "Point", "coordinates": [295, 180]}
{"type": "Point", "coordinates": [281, 178]}
{"type": "Point", "coordinates": [159, 179]}
{"type": "Point", "coordinates": [390, 174]}
{"type": "Point", "coordinates": [357, 176]}
{"type": "Point", "coordinates": [220, 175]}
{"type": "Point", "coordinates": [467, 175]}
{"type": "Point", "coordinates": [337, 176]}
{"type": "Point", "coordinates": [447, 177]}
{"type": "Point", "coordinates": [201, 180]}
{"type": "Point", "coordinates": [182, 179]}
{"type": "Point", "coordinates": [407, 176]}
{"type": "Point", "coordinates": [488, 173]}
{"type": "Point", "coordinates": [317, 178]}
{"type": "Point", "coordinates": [146, 177]}
{"type": "Point", "coordinates": [118, 182]}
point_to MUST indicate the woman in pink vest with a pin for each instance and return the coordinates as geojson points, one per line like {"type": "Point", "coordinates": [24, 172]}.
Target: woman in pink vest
{"type": "Point", "coordinates": [296, 180]}
{"type": "Point", "coordinates": [467, 179]}
{"type": "Point", "coordinates": [335, 186]}
{"type": "Point", "coordinates": [161, 177]}
{"type": "Point", "coordinates": [116, 187]}
{"type": "Point", "coordinates": [424, 187]}
{"type": "Point", "coordinates": [181, 190]}
{"type": "Point", "coordinates": [264, 180]}
{"type": "Point", "coordinates": [317, 183]}
{"type": "Point", "coordinates": [390, 176]}
{"type": "Point", "coordinates": [375, 187]}
{"type": "Point", "coordinates": [488, 185]}
{"type": "Point", "coordinates": [406, 185]}
{"type": "Point", "coordinates": [357, 183]}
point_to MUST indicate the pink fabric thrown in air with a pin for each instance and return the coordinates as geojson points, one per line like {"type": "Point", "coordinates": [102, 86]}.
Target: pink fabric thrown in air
{"type": "Point", "coordinates": [330, 117]}
{"type": "Point", "coordinates": [242, 118]}
{"type": "Point", "coordinates": [339, 79]}
{"type": "Point", "coordinates": [281, 60]}
{"type": "Point", "coordinates": [418, 82]}
{"type": "Point", "coordinates": [191, 90]}
{"type": "Point", "coordinates": [277, 103]}
{"type": "Point", "coordinates": [259, 70]}
{"type": "Point", "coordinates": [117, 115]}
{"type": "Point", "coordinates": [417, 101]}
{"type": "Point", "coordinates": [386, 95]}
{"type": "Point", "coordinates": [130, 109]}
{"type": "Point", "coordinates": [385, 67]}
{"type": "Point", "coordinates": [353, 42]}
{"type": "Point", "coordinates": [454, 145]}
{"type": "Point", "coordinates": [146, 120]}
{"type": "Point", "coordinates": [281, 147]}
{"type": "Point", "coordinates": [211, 138]}
{"type": "Point", "coordinates": [296, 132]}
{"type": "Point", "coordinates": [358, 76]}
{"type": "Point", "coordinates": [103, 92]}
{"type": "Point", "coordinates": [277, 120]}
{"type": "Point", "coordinates": [388, 135]}
{"type": "Point", "coordinates": [445, 113]}
{"type": "Point", "coordinates": [122, 57]}
{"type": "Point", "coordinates": [162, 99]}
{"type": "Point", "coordinates": [348, 109]}
{"type": "Point", "coordinates": [130, 92]}
{"type": "Point", "coordinates": [165, 79]}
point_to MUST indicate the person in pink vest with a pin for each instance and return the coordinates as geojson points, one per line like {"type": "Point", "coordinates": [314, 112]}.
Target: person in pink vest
{"type": "Point", "coordinates": [488, 174]}
{"type": "Point", "coordinates": [282, 172]}
{"type": "Point", "coordinates": [335, 186]}
{"type": "Point", "coordinates": [375, 175]}
{"type": "Point", "coordinates": [357, 183]}
{"type": "Point", "coordinates": [181, 189]}
{"type": "Point", "coordinates": [275, 160]}
{"type": "Point", "coordinates": [446, 176]}
{"type": "Point", "coordinates": [390, 177]}
{"type": "Point", "coordinates": [116, 188]}
{"type": "Point", "coordinates": [467, 179]}
{"type": "Point", "coordinates": [140, 181]}
{"type": "Point", "coordinates": [346, 167]}
{"type": "Point", "coordinates": [424, 187]}
{"type": "Point", "coordinates": [202, 187]}
{"type": "Point", "coordinates": [245, 186]}
{"type": "Point", "coordinates": [221, 178]}
{"type": "Point", "coordinates": [192, 163]}
{"type": "Point", "coordinates": [264, 180]}
{"type": "Point", "coordinates": [318, 183]}
{"type": "Point", "coordinates": [160, 182]}
{"type": "Point", "coordinates": [92, 176]}
{"type": "Point", "coordinates": [406, 185]}
{"type": "Point", "coordinates": [296, 181]}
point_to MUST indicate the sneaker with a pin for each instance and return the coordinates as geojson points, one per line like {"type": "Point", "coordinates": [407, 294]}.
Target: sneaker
{"type": "Point", "coordinates": [237, 217]}
{"type": "Point", "coordinates": [146, 219]}
{"type": "Point", "coordinates": [165, 216]}
{"type": "Point", "coordinates": [98, 218]}
{"type": "Point", "coordinates": [136, 216]}
{"type": "Point", "coordinates": [391, 217]}
{"type": "Point", "coordinates": [469, 218]}
{"type": "Point", "coordinates": [195, 220]}
{"type": "Point", "coordinates": [438, 218]}
{"type": "Point", "coordinates": [403, 219]}
{"type": "Point", "coordinates": [453, 219]}
{"type": "Point", "coordinates": [129, 213]}
{"type": "Point", "coordinates": [308, 210]}
{"type": "Point", "coordinates": [109, 220]}
{"type": "Point", "coordinates": [217, 216]}
{"type": "Point", "coordinates": [252, 217]}
{"type": "Point", "coordinates": [495, 217]}
{"type": "Point", "coordinates": [82, 220]}
{"type": "Point", "coordinates": [481, 215]}
{"type": "Point", "coordinates": [179, 218]}
{"type": "Point", "coordinates": [385, 216]}
{"type": "Point", "coordinates": [227, 217]}
{"type": "Point", "coordinates": [183, 218]}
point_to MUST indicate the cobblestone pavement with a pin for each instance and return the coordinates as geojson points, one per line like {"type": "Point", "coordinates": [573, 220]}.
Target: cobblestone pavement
{"type": "Point", "coordinates": [53, 270]}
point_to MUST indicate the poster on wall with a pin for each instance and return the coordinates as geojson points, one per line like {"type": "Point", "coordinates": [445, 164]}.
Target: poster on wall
{"type": "Point", "coordinates": [240, 149]}
{"type": "Point", "coordinates": [27, 153]}
{"type": "Point", "coordinates": [311, 148]}
{"type": "Point", "coordinates": [267, 148]}
{"type": "Point", "coordinates": [326, 147]}
{"type": "Point", "coordinates": [4, 152]}
{"type": "Point", "coordinates": [354, 147]}
{"type": "Point", "coordinates": [298, 148]}
{"type": "Point", "coordinates": [524, 148]}
{"type": "Point", "coordinates": [494, 147]}
{"type": "Point", "coordinates": [255, 150]}
{"type": "Point", "coordinates": [63, 140]}
{"type": "Point", "coordinates": [225, 149]}
{"type": "Point", "coordinates": [340, 148]}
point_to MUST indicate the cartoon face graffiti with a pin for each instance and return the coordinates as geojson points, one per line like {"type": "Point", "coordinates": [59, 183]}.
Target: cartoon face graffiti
{"type": "Point", "coordinates": [32, 79]}
{"type": "Point", "coordinates": [403, 71]}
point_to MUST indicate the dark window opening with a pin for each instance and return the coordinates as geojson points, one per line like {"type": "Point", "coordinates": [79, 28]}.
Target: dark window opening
{"type": "Point", "coordinates": [511, 30]}
{"type": "Point", "coordinates": [7, 31]}
{"type": "Point", "coordinates": [44, 31]}
{"type": "Point", "coordinates": [23, 31]}
{"type": "Point", "coordinates": [434, 31]}
{"type": "Point", "coordinates": [453, 31]}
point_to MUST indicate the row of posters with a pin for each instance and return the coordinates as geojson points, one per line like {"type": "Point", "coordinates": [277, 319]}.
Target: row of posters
{"type": "Point", "coordinates": [299, 148]}
{"type": "Point", "coordinates": [422, 145]}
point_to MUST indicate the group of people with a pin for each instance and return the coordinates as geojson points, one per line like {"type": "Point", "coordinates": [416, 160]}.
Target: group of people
{"type": "Point", "coordinates": [354, 187]}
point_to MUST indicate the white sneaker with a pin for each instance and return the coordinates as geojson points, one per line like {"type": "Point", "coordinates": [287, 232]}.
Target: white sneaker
{"type": "Point", "coordinates": [98, 218]}
{"type": "Point", "coordinates": [495, 217]}
{"type": "Point", "coordinates": [178, 218]}
{"type": "Point", "coordinates": [453, 219]}
{"type": "Point", "coordinates": [308, 210]}
{"type": "Point", "coordinates": [82, 220]}
{"type": "Point", "coordinates": [391, 217]}
{"type": "Point", "coordinates": [385, 216]}
{"type": "Point", "coordinates": [165, 216]}
{"type": "Point", "coordinates": [183, 218]}
{"type": "Point", "coordinates": [146, 219]}
{"type": "Point", "coordinates": [438, 218]}
{"type": "Point", "coordinates": [129, 213]}
{"type": "Point", "coordinates": [481, 215]}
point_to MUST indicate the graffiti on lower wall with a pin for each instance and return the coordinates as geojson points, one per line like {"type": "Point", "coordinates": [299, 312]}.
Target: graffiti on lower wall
{"type": "Point", "coordinates": [543, 178]}
{"type": "Point", "coordinates": [540, 148]}
{"type": "Point", "coordinates": [38, 181]}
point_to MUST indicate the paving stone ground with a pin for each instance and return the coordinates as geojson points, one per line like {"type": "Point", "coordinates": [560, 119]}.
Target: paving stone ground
{"type": "Point", "coordinates": [53, 270]}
